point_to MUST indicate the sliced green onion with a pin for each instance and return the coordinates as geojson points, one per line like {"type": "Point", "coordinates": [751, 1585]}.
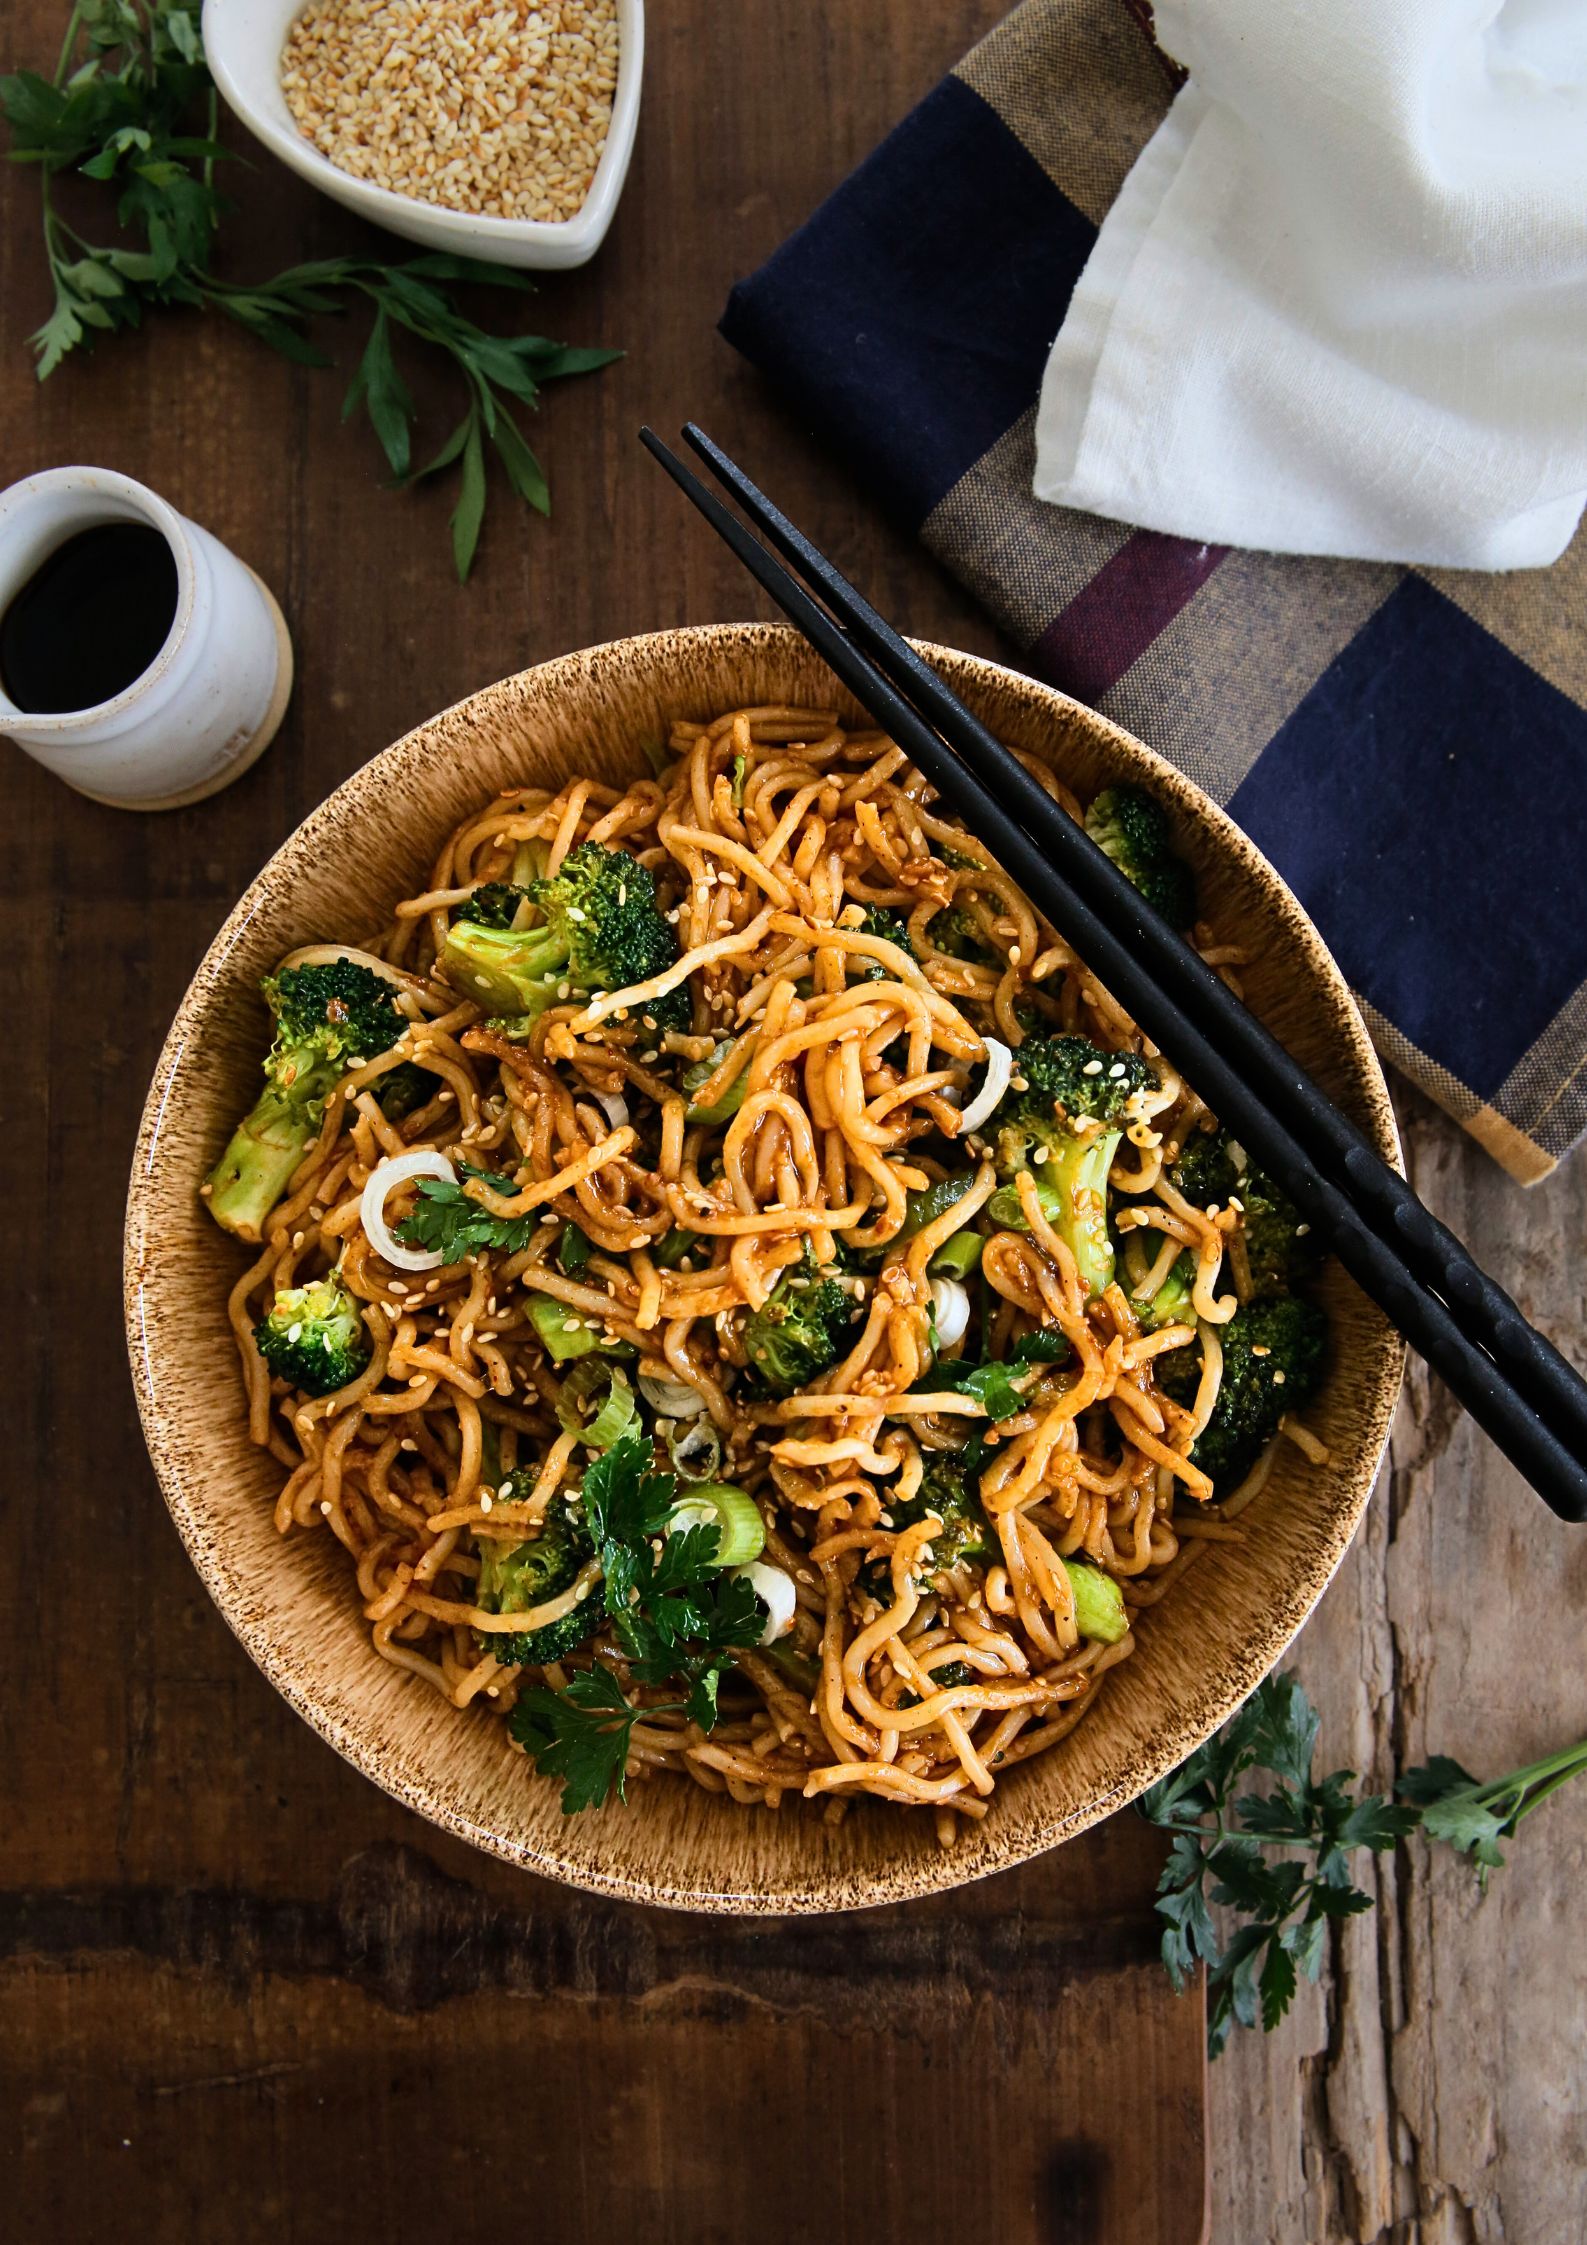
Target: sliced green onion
{"type": "Point", "coordinates": [957, 1257]}
{"type": "Point", "coordinates": [735, 1517]}
{"type": "Point", "coordinates": [799, 1668]}
{"type": "Point", "coordinates": [566, 1333]}
{"type": "Point", "coordinates": [723, 1109]}
{"type": "Point", "coordinates": [740, 771]}
{"type": "Point", "coordinates": [573, 1251]}
{"type": "Point", "coordinates": [694, 1447]}
{"type": "Point", "coordinates": [1099, 1603]}
{"type": "Point", "coordinates": [658, 757]}
{"type": "Point", "coordinates": [1004, 1206]}
{"type": "Point", "coordinates": [596, 1403]}
{"type": "Point", "coordinates": [672, 1247]}
{"type": "Point", "coordinates": [529, 862]}
{"type": "Point", "coordinates": [921, 1209]}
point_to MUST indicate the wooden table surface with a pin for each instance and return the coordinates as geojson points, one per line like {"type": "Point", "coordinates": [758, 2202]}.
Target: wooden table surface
{"type": "Point", "coordinates": [241, 1993]}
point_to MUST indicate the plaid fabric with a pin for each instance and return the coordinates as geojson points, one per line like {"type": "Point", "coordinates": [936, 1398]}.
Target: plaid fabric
{"type": "Point", "coordinates": [1408, 746]}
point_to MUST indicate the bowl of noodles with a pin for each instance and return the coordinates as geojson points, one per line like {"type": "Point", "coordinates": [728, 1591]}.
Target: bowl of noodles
{"type": "Point", "coordinates": [712, 1360]}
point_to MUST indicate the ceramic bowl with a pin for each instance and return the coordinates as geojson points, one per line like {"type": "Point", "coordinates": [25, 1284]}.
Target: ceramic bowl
{"type": "Point", "coordinates": [293, 1602]}
{"type": "Point", "coordinates": [243, 40]}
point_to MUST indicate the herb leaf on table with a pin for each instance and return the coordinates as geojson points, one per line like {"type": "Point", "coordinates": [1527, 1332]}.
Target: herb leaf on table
{"type": "Point", "coordinates": [1218, 1856]}
{"type": "Point", "coordinates": [129, 87]}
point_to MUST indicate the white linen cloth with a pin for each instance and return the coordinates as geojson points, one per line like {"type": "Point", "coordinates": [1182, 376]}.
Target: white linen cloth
{"type": "Point", "coordinates": [1340, 305]}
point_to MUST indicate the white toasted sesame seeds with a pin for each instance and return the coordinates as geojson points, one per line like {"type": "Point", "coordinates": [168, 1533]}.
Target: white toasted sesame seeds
{"type": "Point", "coordinates": [471, 104]}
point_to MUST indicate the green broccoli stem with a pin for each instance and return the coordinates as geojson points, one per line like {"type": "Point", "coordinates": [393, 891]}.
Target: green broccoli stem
{"type": "Point", "coordinates": [1172, 1304]}
{"type": "Point", "coordinates": [1072, 1188]}
{"type": "Point", "coordinates": [256, 1167]}
{"type": "Point", "coordinates": [504, 971]}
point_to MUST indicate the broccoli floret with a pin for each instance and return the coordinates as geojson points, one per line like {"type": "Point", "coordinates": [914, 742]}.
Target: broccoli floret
{"type": "Point", "coordinates": [951, 1488]}
{"type": "Point", "coordinates": [956, 934]}
{"type": "Point", "coordinates": [404, 1089]}
{"type": "Point", "coordinates": [515, 1577]}
{"type": "Point", "coordinates": [600, 928]}
{"type": "Point", "coordinates": [1065, 1130]}
{"type": "Point", "coordinates": [1085, 1080]}
{"type": "Point", "coordinates": [314, 1337]}
{"type": "Point", "coordinates": [799, 1330]}
{"type": "Point", "coordinates": [1273, 1353]}
{"type": "Point", "coordinates": [1169, 887]}
{"type": "Point", "coordinates": [328, 1017]}
{"type": "Point", "coordinates": [495, 904]}
{"type": "Point", "coordinates": [1171, 1304]}
{"type": "Point", "coordinates": [880, 920]}
{"type": "Point", "coordinates": [1213, 1170]}
{"type": "Point", "coordinates": [1131, 828]}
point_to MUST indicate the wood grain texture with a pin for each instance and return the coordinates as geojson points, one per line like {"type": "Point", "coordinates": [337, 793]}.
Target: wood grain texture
{"type": "Point", "coordinates": [243, 1994]}
{"type": "Point", "coordinates": [231, 1973]}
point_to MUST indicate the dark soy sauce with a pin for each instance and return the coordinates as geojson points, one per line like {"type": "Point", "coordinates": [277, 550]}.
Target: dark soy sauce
{"type": "Point", "coordinates": [90, 619]}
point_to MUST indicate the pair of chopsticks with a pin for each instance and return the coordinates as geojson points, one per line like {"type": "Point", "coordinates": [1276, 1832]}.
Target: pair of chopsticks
{"type": "Point", "coordinates": [1514, 1383]}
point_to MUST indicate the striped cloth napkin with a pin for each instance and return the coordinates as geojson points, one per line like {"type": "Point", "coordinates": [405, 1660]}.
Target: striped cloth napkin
{"type": "Point", "coordinates": [1408, 746]}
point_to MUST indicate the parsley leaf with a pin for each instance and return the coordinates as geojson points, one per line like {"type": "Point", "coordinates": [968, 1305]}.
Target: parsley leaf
{"type": "Point", "coordinates": [675, 1615]}
{"type": "Point", "coordinates": [580, 1735]}
{"type": "Point", "coordinates": [1219, 1856]}
{"type": "Point", "coordinates": [1218, 1841]}
{"type": "Point", "coordinates": [133, 107]}
{"type": "Point", "coordinates": [443, 1217]}
{"type": "Point", "coordinates": [1473, 1817]}
{"type": "Point", "coordinates": [1000, 1388]}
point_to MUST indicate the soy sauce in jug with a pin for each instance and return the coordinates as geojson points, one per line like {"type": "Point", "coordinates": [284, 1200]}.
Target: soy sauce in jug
{"type": "Point", "coordinates": [90, 619]}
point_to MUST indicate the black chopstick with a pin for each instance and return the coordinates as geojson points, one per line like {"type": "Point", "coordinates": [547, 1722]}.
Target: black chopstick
{"type": "Point", "coordinates": [1385, 1201]}
{"type": "Point", "coordinates": [1114, 946]}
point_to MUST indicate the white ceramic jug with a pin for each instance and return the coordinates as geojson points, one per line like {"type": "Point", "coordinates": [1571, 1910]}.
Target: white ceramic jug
{"type": "Point", "coordinates": [212, 698]}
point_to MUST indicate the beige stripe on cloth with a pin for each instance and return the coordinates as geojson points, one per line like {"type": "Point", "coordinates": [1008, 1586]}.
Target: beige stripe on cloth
{"type": "Point", "coordinates": [1023, 560]}
{"type": "Point", "coordinates": [1197, 695]}
{"type": "Point", "coordinates": [1079, 86]}
{"type": "Point", "coordinates": [1510, 1147]}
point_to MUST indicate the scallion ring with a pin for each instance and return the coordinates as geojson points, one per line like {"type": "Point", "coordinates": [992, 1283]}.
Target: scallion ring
{"type": "Point", "coordinates": [596, 1403]}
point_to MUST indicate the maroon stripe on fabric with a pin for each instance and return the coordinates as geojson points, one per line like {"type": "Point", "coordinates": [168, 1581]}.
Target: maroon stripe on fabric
{"type": "Point", "coordinates": [1091, 644]}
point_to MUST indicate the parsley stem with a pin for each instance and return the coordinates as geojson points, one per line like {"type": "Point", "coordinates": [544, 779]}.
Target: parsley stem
{"type": "Point", "coordinates": [74, 24]}
{"type": "Point", "coordinates": [1533, 1784]}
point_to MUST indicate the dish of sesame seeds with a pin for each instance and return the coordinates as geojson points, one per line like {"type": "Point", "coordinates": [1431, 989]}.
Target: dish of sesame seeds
{"type": "Point", "coordinates": [481, 106]}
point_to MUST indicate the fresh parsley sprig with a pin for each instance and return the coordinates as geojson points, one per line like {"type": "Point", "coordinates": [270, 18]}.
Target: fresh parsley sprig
{"type": "Point", "coordinates": [1000, 1388]}
{"type": "Point", "coordinates": [1220, 1842]}
{"type": "Point", "coordinates": [1218, 1856]}
{"type": "Point", "coordinates": [128, 91]}
{"type": "Point", "coordinates": [581, 1735]}
{"type": "Point", "coordinates": [676, 1616]}
{"type": "Point", "coordinates": [443, 1217]}
{"type": "Point", "coordinates": [1472, 1817]}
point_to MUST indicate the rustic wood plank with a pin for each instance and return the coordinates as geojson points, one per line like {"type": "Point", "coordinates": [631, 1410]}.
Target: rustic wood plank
{"type": "Point", "coordinates": [1432, 2095]}
{"type": "Point", "coordinates": [231, 1974]}
{"type": "Point", "coordinates": [210, 1925]}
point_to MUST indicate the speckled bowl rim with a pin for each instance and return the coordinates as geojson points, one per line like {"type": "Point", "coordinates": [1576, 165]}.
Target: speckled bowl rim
{"type": "Point", "coordinates": [1187, 1721]}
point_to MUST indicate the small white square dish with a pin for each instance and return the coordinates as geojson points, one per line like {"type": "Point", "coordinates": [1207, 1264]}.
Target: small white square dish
{"type": "Point", "coordinates": [244, 40]}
